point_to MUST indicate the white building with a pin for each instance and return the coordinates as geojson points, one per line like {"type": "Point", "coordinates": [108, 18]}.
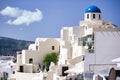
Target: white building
{"type": "Point", "coordinates": [29, 60]}
{"type": "Point", "coordinates": [91, 46]}
{"type": "Point", "coordinates": [86, 49]}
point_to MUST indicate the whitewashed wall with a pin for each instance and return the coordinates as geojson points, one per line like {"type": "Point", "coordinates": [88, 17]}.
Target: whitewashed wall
{"type": "Point", "coordinates": [106, 48]}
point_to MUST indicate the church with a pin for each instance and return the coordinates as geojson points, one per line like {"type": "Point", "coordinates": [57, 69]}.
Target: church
{"type": "Point", "coordinates": [86, 49]}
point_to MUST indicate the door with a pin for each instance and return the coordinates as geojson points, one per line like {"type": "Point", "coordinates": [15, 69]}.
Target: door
{"type": "Point", "coordinates": [63, 70]}
{"type": "Point", "coordinates": [21, 69]}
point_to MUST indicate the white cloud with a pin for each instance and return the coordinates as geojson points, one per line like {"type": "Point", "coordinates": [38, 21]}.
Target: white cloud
{"type": "Point", "coordinates": [21, 16]}
{"type": "Point", "coordinates": [11, 12]}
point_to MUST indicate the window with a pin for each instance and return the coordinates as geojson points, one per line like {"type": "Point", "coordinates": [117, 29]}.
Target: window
{"type": "Point", "coordinates": [87, 16]}
{"type": "Point", "coordinates": [99, 16]}
{"type": "Point", "coordinates": [53, 47]}
{"type": "Point", "coordinates": [30, 60]}
{"type": "Point", "coordinates": [36, 47]}
{"type": "Point", "coordinates": [93, 16]}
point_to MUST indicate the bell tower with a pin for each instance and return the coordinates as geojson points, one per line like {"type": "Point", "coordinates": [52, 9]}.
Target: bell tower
{"type": "Point", "coordinates": [92, 13]}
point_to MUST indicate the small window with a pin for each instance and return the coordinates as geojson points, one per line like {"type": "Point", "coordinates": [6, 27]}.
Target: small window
{"type": "Point", "coordinates": [99, 16]}
{"type": "Point", "coordinates": [93, 16]}
{"type": "Point", "coordinates": [36, 47]}
{"type": "Point", "coordinates": [53, 47]}
{"type": "Point", "coordinates": [87, 16]}
{"type": "Point", "coordinates": [30, 60]}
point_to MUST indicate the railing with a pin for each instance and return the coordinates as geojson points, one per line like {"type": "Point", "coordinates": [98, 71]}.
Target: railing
{"type": "Point", "coordinates": [98, 67]}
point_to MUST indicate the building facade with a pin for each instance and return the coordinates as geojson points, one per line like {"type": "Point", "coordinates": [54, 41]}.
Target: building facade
{"type": "Point", "coordinates": [91, 46]}
{"type": "Point", "coordinates": [29, 60]}
{"type": "Point", "coordinates": [85, 49]}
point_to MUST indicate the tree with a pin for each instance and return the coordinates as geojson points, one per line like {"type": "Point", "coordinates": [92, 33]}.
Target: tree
{"type": "Point", "coordinates": [51, 57]}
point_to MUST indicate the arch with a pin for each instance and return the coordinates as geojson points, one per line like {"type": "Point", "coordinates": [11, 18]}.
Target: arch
{"type": "Point", "coordinates": [112, 74]}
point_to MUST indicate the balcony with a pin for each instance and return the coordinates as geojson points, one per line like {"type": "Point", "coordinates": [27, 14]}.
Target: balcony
{"type": "Point", "coordinates": [87, 42]}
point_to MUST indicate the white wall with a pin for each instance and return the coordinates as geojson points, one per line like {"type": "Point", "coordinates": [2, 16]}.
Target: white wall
{"type": "Point", "coordinates": [77, 51]}
{"type": "Point", "coordinates": [107, 46]}
{"type": "Point", "coordinates": [89, 59]}
{"type": "Point", "coordinates": [27, 54]}
{"type": "Point", "coordinates": [64, 34]}
{"type": "Point", "coordinates": [63, 56]}
{"type": "Point", "coordinates": [26, 76]}
{"type": "Point", "coordinates": [45, 47]}
{"type": "Point", "coordinates": [78, 31]}
{"type": "Point", "coordinates": [19, 61]}
{"type": "Point", "coordinates": [91, 16]}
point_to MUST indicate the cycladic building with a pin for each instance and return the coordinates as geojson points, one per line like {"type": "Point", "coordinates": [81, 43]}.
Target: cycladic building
{"type": "Point", "coordinates": [85, 49]}
{"type": "Point", "coordinates": [29, 60]}
{"type": "Point", "coordinates": [91, 46]}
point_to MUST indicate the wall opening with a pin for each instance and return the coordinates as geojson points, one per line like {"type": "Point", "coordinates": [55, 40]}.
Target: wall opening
{"type": "Point", "coordinates": [53, 47]}
{"type": "Point", "coordinates": [30, 60]}
{"type": "Point", "coordinates": [63, 70]}
{"type": "Point", "coordinates": [99, 16]}
{"type": "Point", "coordinates": [87, 16]}
{"type": "Point", "coordinates": [93, 16]}
{"type": "Point", "coordinates": [21, 69]}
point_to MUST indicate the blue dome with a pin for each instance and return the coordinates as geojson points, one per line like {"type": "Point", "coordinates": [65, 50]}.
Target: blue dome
{"type": "Point", "coordinates": [92, 9]}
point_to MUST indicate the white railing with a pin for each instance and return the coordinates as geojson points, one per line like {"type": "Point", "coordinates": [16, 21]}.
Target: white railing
{"type": "Point", "coordinates": [99, 67]}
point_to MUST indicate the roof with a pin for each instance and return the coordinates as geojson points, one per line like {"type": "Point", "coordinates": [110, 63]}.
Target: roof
{"type": "Point", "coordinates": [92, 9]}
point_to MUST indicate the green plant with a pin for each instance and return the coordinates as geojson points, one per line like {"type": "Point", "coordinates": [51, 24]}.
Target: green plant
{"type": "Point", "coordinates": [90, 45]}
{"type": "Point", "coordinates": [51, 57]}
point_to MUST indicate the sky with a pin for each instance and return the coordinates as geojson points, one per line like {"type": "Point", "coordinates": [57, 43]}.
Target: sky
{"type": "Point", "coordinates": [29, 19]}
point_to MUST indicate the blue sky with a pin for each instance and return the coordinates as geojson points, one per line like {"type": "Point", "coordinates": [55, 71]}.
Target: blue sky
{"type": "Point", "coordinates": [29, 19]}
